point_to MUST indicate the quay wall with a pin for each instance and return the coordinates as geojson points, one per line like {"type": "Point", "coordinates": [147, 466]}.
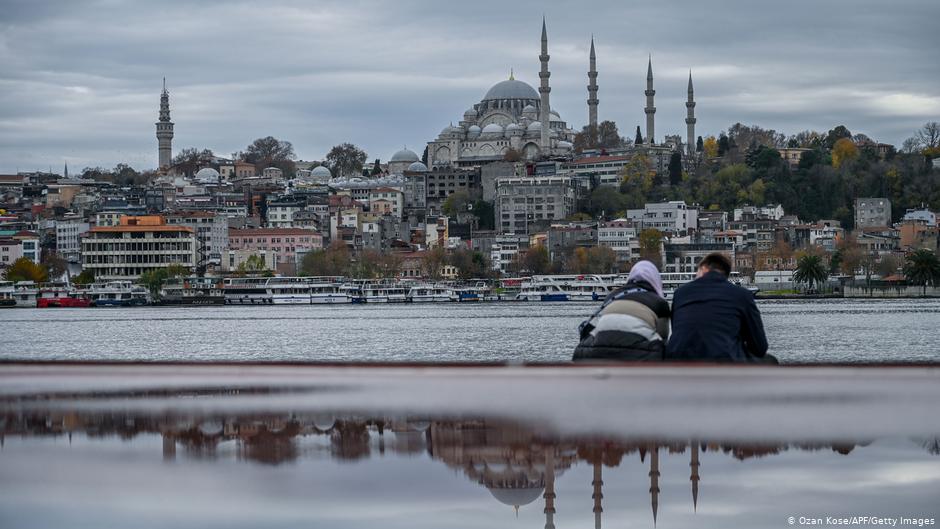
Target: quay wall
{"type": "Point", "coordinates": [890, 292]}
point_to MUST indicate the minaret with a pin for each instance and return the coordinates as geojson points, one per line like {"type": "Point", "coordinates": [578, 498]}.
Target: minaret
{"type": "Point", "coordinates": [654, 481]}
{"type": "Point", "coordinates": [650, 109]}
{"type": "Point", "coordinates": [694, 478]}
{"type": "Point", "coordinates": [544, 89]}
{"type": "Point", "coordinates": [592, 89]}
{"type": "Point", "coordinates": [164, 130]}
{"type": "Point", "coordinates": [690, 119]}
{"type": "Point", "coordinates": [66, 175]}
{"type": "Point", "coordinates": [598, 493]}
{"type": "Point", "coordinates": [549, 495]}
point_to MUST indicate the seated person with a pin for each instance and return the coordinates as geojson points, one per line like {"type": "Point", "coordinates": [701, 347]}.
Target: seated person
{"type": "Point", "coordinates": [714, 320]}
{"type": "Point", "coordinates": [632, 324]}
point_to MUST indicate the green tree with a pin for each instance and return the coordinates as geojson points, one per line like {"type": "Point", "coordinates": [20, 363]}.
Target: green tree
{"type": "Point", "coordinates": [456, 203]}
{"type": "Point", "coordinates": [811, 270]}
{"type": "Point", "coordinates": [835, 135]}
{"type": "Point", "coordinates": [154, 279]}
{"type": "Point", "coordinates": [675, 169]}
{"type": "Point", "coordinates": [638, 140]}
{"type": "Point", "coordinates": [376, 168]}
{"type": "Point", "coordinates": [86, 277]}
{"type": "Point", "coordinates": [332, 261]}
{"type": "Point", "coordinates": [535, 260]}
{"type": "Point", "coordinates": [254, 264]}
{"type": "Point", "coordinates": [699, 144]}
{"type": "Point", "coordinates": [345, 159]}
{"type": "Point", "coordinates": [25, 270]}
{"type": "Point", "coordinates": [922, 268]}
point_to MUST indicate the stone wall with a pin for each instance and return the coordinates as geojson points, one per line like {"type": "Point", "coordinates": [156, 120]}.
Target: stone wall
{"type": "Point", "coordinates": [861, 291]}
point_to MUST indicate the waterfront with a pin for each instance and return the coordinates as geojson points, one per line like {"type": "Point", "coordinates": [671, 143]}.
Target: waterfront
{"type": "Point", "coordinates": [800, 331]}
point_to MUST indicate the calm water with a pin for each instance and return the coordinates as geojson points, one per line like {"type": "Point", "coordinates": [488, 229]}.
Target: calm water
{"type": "Point", "coordinates": [799, 331]}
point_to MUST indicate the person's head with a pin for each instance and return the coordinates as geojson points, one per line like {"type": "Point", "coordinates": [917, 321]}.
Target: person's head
{"type": "Point", "coordinates": [714, 262]}
{"type": "Point", "coordinates": [646, 272]}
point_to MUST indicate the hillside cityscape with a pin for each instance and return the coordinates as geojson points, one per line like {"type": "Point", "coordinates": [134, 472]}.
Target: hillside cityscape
{"type": "Point", "coordinates": [511, 190]}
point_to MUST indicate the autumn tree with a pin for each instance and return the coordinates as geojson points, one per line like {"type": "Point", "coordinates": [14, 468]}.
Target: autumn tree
{"type": "Point", "coordinates": [434, 260]}
{"type": "Point", "coordinates": [836, 134]}
{"type": "Point", "coordinates": [637, 179]}
{"type": "Point", "coordinates": [710, 147]}
{"type": "Point", "coordinates": [608, 137]}
{"type": "Point", "coordinates": [55, 265]}
{"type": "Point", "coordinates": [345, 159]}
{"type": "Point", "coordinates": [86, 277]}
{"type": "Point", "coordinates": [535, 260]}
{"type": "Point", "coordinates": [843, 150]}
{"type": "Point", "coordinates": [25, 270]}
{"type": "Point", "coordinates": [651, 246]}
{"type": "Point", "coordinates": [512, 155]}
{"type": "Point", "coordinates": [271, 152]}
{"type": "Point", "coordinates": [586, 139]}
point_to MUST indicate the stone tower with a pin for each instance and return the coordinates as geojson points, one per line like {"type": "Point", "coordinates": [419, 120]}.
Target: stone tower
{"type": "Point", "coordinates": [592, 89]}
{"type": "Point", "coordinates": [164, 130]}
{"type": "Point", "coordinates": [690, 119]}
{"type": "Point", "coordinates": [650, 109]}
{"type": "Point", "coordinates": [545, 116]}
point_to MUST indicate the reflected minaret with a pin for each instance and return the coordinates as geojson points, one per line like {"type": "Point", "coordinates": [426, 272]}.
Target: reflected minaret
{"type": "Point", "coordinates": [650, 109]}
{"type": "Point", "coordinates": [694, 478]}
{"type": "Point", "coordinates": [598, 494]}
{"type": "Point", "coordinates": [545, 110]}
{"type": "Point", "coordinates": [690, 119]}
{"type": "Point", "coordinates": [592, 89]}
{"type": "Point", "coordinates": [654, 481]}
{"type": "Point", "coordinates": [169, 447]}
{"type": "Point", "coordinates": [549, 489]}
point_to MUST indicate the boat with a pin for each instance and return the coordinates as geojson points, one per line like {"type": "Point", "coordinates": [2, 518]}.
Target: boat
{"type": "Point", "coordinates": [192, 291]}
{"type": "Point", "coordinates": [384, 293]}
{"type": "Point", "coordinates": [674, 280]}
{"type": "Point", "coordinates": [430, 293]}
{"type": "Point", "coordinates": [7, 290]}
{"type": "Point", "coordinates": [565, 288]}
{"type": "Point", "coordinates": [288, 290]}
{"type": "Point", "coordinates": [60, 295]}
{"type": "Point", "coordinates": [25, 294]}
{"type": "Point", "coordinates": [246, 291]}
{"type": "Point", "coordinates": [471, 293]}
{"type": "Point", "coordinates": [120, 293]}
{"type": "Point", "coordinates": [327, 291]}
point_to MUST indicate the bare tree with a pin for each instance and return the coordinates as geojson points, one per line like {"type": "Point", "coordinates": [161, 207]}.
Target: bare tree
{"type": "Point", "coordinates": [929, 135]}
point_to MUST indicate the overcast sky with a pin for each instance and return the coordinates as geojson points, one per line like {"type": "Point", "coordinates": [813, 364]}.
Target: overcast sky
{"type": "Point", "coordinates": [80, 81]}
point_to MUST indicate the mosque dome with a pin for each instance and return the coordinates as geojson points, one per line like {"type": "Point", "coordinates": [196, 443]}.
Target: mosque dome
{"type": "Point", "coordinates": [207, 174]}
{"type": "Point", "coordinates": [321, 171]}
{"type": "Point", "coordinates": [565, 145]}
{"type": "Point", "coordinates": [514, 129]}
{"type": "Point", "coordinates": [474, 131]}
{"type": "Point", "coordinates": [516, 497]}
{"type": "Point", "coordinates": [406, 155]}
{"type": "Point", "coordinates": [555, 115]}
{"type": "Point", "coordinates": [511, 89]}
{"type": "Point", "coordinates": [529, 111]}
{"type": "Point", "coordinates": [470, 114]}
{"type": "Point", "coordinates": [493, 128]}
{"type": "Point", "coordinates": [418, 167]}
{"type": "Point", "coordinates": [535, 126]}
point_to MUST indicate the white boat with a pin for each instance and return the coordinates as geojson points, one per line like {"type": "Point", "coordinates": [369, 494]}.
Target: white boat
{"type": "Point", "coordinates": [246, 291]}
{"type": "Point", "coordinates": [565, 288]}
{"type": "Point", "coordinates": [7, 291]}
{"type": "Point", "coordinates": [384, 293]}
{"type": "Point", "coordinates": [328, 293]}
{"type": "Point", "coordinates": [674, 280]}
{"type": "Point", "coordinates": [470, 293]}
{"type": "Point", "coordinates": [434, 293]}
{"type": "Point", "coordinates": [289, 290]}
{"type": "Point", "coordinates": [119, 293]}
{"type": "Point", "coordinates": [26, 293]}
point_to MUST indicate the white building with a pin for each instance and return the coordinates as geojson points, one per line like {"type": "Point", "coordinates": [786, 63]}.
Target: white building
{"type": "Point", "coordinates": [920, 216]}
{"type": "Point", "coordinates": [211, 231]}
{"type": "Point", "coordinates": [621, 236]}
{"type": "Point", "coordinates": [674, 217]}
{"type": "Point", "coordinates": [67, 237]}
{"type": "Point", "coordinates": [137, 245]}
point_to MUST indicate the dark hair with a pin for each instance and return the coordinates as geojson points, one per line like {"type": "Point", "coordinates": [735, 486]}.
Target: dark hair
{"type": "Point", "coordinates": [717, 262]}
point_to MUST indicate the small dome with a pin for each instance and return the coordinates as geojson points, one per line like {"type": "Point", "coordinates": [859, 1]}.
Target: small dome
{"type": "Point", "coordinates": [555, 115]}
{"type": "Point", "coordinates": [207, 174]}
{"type": "Point", "coordinates": [493, 128]}
{"type": "Point", "coordinates": [565, 145]}
{"type": "Point", "coordinates": [470, 114]}
{"type": "Point", "coordinates": [514, 130]}
{"type": "Point", "coordinates": [511, 89]}
{"type": "Point", "coordinates": [535, 126]}
{"type": "Point", "coordinates": [405, 155]}
{"type": "Point", "coordinates": [321, 171]}
{"type": "Point", "coordinates": [473, 131]}
{"type": "Point", "coordinates": [529, 110]}
{"type": "Point", "coordinates": [418, 167]}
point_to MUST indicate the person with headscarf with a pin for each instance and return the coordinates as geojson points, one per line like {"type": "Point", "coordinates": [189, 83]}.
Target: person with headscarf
{"type": "Point", "coordinates": [633, 323]}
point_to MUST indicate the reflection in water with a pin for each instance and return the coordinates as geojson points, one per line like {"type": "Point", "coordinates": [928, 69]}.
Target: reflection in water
{"type": "Point", "coordinates": [517, 463]}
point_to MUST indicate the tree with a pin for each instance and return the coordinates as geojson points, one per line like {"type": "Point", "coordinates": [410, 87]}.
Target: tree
{"type": "Point", "coordinates": [922, 268]}
{"type": "Point", "coordinates": [928, 137]}
{"type": "Point", "coordinates": [86, 277]}
{"type": "Point", "coordinates": [25, 270]}
{"type": "Point", "coordinates": [586, 139]}
{"type": "Point", "coordinates": [810, 270]}
{"type": "Point", "coordinates": [331, 261]}
{"type": "Point", "coordinates": [608, 137]}
{"type": "Point", "coordinates": [888, 266]}
{"type": "Point", "coordinates": [535, 260]}
{"type": "Point", "coordinates": [376, 168]}
{"type": "Point", "coordinates": [835, 135]}
{"type": "Point", "coordinates": [190, 160]}
{"type": "Point", "coordinates": [675, 169]}
{"type": "Point", "coordinates": [456, 203]}
{"type": "Point", "coordinates": [650, 246]}
{"type": "Point", "coordinates": [724, 144]}
{"type": "Point", "coordinates": [710, 146]}
{"type": "Point", "coordinates": [699, 145]}
{"type": "Point", "coordinates": [470, 264]}
{"type": "Point", "coordinates": [55, 265]}
{"type": "Point", "coordinates": [254, 264]}
{"type": "Point", "coordinates": [272, 152]}
{"type": "Point", "coordinates": [345, 159]}
{"type": "Point", "coordinates": [639, 137]}
{"type": "Point", "coordinates": [434, 260]}
{"type": "Point", "coordinates": [843, 150]}
{"type": "Point", "coordinates": [601, 260]}
{"type": "Point", "coordinates": [125, 175]}
{"type": "Point", "coordinates": [512, 155]}
{"type": "Point", "coordinates": [154, 279]}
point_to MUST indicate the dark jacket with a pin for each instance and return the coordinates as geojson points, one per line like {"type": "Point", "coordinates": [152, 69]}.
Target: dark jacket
{"type": "Point", "coordinates": [632, 325]}
{"type": "Point", "coordinates": [714, 320]}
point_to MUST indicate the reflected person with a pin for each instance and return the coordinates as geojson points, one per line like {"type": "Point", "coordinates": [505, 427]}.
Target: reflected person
{"type": "Point", "coordinates": [714, 320]}
{"type": "Point", "coordinates": [633, 323]}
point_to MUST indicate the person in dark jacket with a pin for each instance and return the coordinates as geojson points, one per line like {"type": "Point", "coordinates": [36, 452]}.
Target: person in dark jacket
{"type": "Point", "coordinates": [714, 320]}
{"type": "Point", "coordinates": [633, 323]}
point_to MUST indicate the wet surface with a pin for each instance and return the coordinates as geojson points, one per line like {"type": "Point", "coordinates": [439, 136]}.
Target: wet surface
{"type": "Point", "coordinates": [292, 446]}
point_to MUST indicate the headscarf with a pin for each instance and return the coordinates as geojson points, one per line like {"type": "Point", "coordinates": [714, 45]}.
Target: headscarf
{"type": "Point", "coordinates": [647, 272]}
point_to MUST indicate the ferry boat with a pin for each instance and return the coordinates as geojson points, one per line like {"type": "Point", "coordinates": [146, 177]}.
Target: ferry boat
{"type": "Point", "coordinates": [60, 295]}
{"type": "Point", "coordinates": [565, 288]}
{"type": "Point", "coordinates": [25, 294]}
{"type": "Point", "coordinates": [470, 293]}
{"type": "Point", "coordinates": [7, 291]}
{"type": "Point", "coordinates": [435, 293]}
{"type": "Point", "coordinates": [192, 291]}
{"type": "Point", "coordinates": [384, 293]}
{"type": "Point", "coordinates": [328, 292]}
{"type": "Point", "coordinates": [288, 290]}
{"type": "Point", "coordinates": [246, 291]}
{"type": "Point", "coordinates": [118, 294]}
{"type": "Point", "coordinates": [674, 280]}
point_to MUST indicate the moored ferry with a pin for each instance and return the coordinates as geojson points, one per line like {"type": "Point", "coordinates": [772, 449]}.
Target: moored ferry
{"type": "Point", "coordinates": [192, 291]}
{"type": "Point", "coordinates": [384, 293]}
{"type": "Point", "coordinates": [246, 291]}
{"type": "Point", "coordinates": [430, 293]}
{"type": "Point", "coordinates": [60, 295]}
{"type": "Point", "coordinates": [288, 290]}
{"type": "Point", "coordinates": [6, 294]}
{"type": "Point", "coordinates": [25, 294]}
{"type": "Point", "coordinates": [119, 293]}
{"type": "Point", "coordinates": [674, 280]}
{"type": "Point", "coordinates": [565, 288]}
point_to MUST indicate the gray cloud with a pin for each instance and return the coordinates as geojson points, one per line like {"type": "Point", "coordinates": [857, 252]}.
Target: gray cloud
{"type": "Point", "coordinates": [81, 80]}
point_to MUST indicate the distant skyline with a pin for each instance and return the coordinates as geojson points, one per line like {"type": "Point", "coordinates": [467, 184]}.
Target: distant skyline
{"type": "Point", "coordinates": [81, 80]}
